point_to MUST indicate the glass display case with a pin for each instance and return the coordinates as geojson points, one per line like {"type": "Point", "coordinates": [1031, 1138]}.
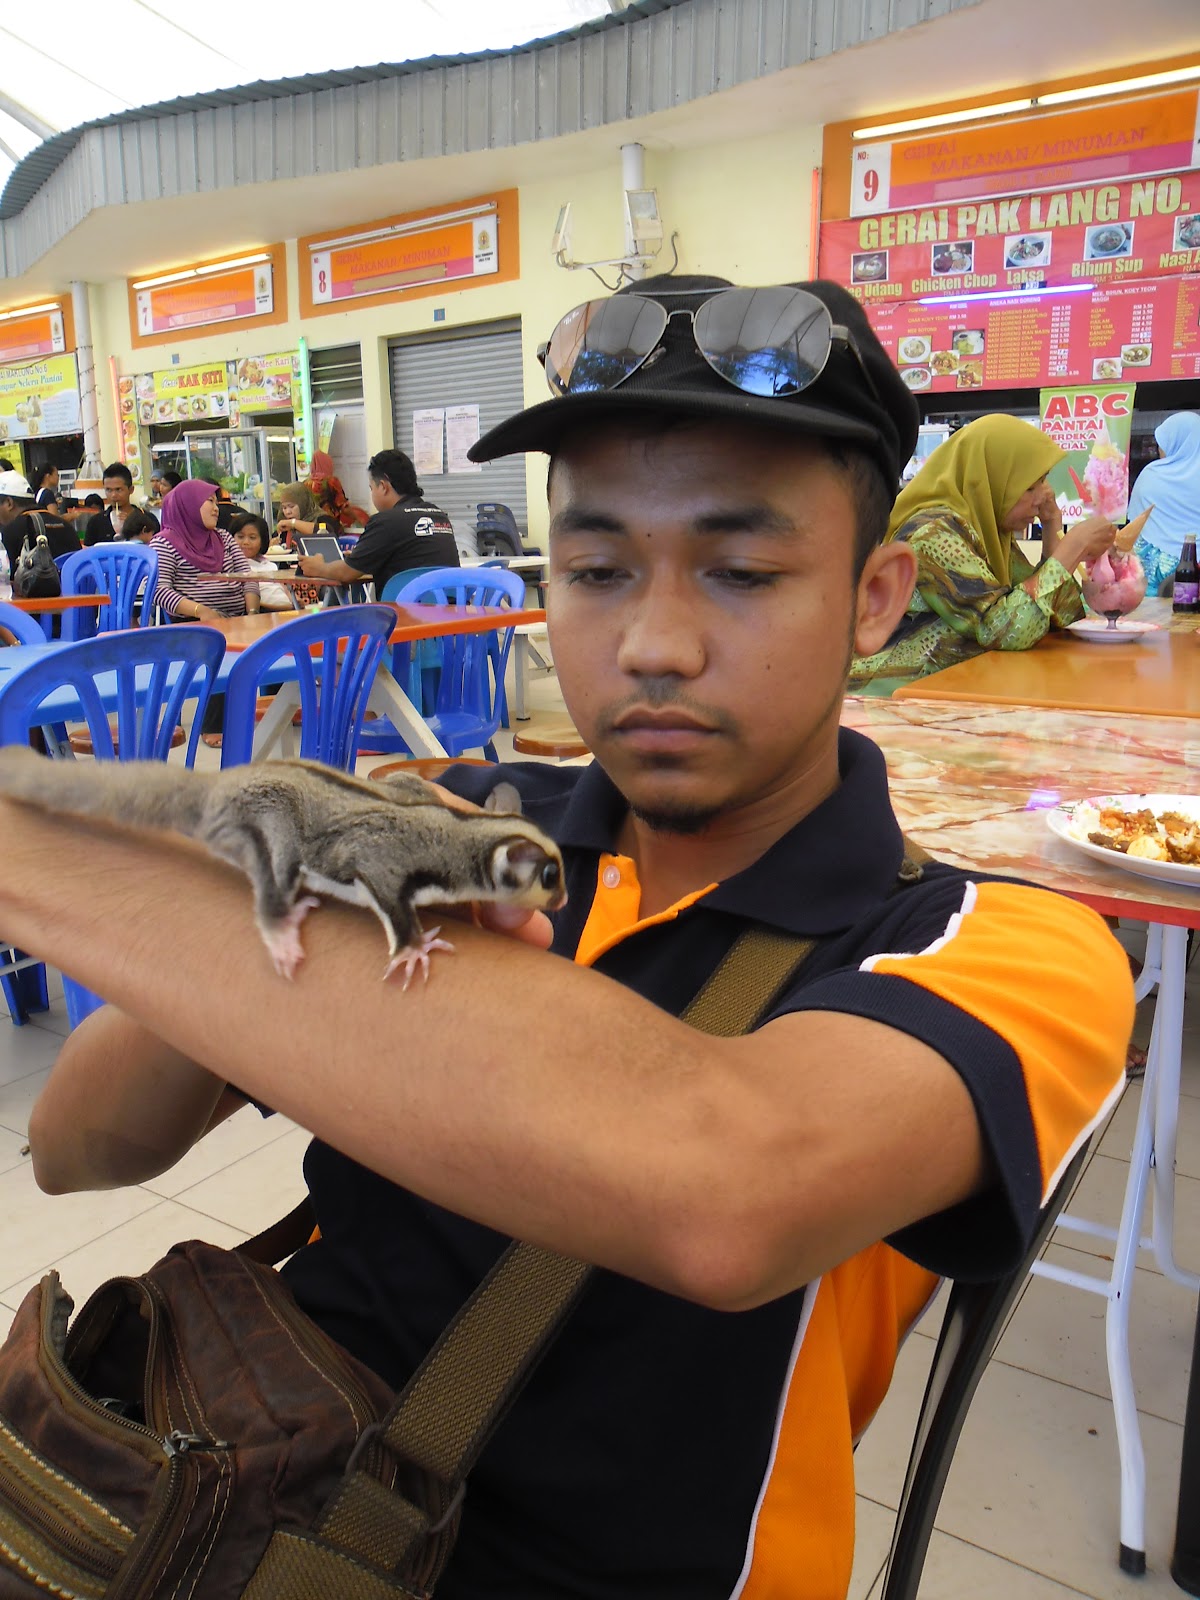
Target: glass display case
{"type": "Point", "coordinates": [251, 464]}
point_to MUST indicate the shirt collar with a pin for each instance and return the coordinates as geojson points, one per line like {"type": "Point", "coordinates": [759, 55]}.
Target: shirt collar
{"type": "Point", "coordinates": [822, 876]}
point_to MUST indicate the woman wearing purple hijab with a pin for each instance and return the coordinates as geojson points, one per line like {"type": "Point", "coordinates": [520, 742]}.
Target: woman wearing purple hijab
{"type": "Point", "coordinates": [191, 547]}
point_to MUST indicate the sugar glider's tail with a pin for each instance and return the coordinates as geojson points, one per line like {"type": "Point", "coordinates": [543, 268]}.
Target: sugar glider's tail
{"type": "Point", "coordinates": [140, 794]}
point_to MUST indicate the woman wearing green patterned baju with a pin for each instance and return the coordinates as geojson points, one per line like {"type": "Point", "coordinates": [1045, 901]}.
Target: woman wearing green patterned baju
{"type": "Point", "coordinates": [975, 590]}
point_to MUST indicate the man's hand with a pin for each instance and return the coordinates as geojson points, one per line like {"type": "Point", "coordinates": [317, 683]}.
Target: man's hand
{"type": "Point", "coordinates": [314, 566]}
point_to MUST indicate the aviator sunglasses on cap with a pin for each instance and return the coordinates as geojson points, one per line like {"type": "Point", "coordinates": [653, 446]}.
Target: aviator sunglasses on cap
{"type": "Point", "coordinates": [771, 342]}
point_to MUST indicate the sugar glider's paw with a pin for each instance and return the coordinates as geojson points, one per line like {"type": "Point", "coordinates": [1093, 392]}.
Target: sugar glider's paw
{"type": "Point", "coordinates": [415, 956]}
{"type": "Point", "coordinates": [282, 938]}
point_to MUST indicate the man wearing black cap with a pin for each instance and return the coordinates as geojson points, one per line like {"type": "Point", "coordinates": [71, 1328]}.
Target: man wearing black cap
{"type": "Point", "coordinates": [722, 463]}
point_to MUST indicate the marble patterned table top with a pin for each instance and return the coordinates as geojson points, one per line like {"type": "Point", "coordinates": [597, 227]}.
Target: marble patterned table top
{"type": "Point", "coordinates": [962, 776]}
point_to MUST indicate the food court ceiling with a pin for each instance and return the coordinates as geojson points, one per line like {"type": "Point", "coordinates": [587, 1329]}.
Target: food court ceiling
{"type": "Point", "coordinates": [74, 60]}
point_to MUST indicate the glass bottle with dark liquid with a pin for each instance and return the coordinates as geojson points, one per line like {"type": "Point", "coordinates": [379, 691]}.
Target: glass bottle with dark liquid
{"type": "Point", "coordinates": [1186, 594]}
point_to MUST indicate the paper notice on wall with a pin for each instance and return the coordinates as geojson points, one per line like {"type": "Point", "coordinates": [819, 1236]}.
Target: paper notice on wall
{"type": "Point", "coordinates": [427, 429]}
{"type": "Point", "coordinates": [462, 431]}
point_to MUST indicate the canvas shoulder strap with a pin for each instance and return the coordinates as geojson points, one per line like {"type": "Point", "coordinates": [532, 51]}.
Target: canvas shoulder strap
{"type": "Point", "coordinates": [452, 1404]}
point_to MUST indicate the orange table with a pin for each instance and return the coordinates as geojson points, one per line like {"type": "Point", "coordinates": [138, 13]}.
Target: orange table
{"type": "Point", "coordinates": [58, 602]}
{"type": "Point", "coordinates": [413, 622]}
{"type": "Point", "coordinates": [1159, 675]}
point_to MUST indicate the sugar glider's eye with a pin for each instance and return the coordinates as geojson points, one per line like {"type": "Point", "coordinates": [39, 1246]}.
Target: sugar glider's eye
{"type": "Point", "coordinates": [551, 875]}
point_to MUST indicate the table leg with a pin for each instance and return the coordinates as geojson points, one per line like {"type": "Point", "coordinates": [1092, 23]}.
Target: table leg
{"type": "Point", "coordinates": [520, 676]}
{"type": "Point", "coordinates": [388, 698]}
{"type": "Point", "coordinates": [1166, 1107]}
{"type": "Point", "coordinates": [276, 725]}
{"type": "Point", "coordinates": [1185, 1564]}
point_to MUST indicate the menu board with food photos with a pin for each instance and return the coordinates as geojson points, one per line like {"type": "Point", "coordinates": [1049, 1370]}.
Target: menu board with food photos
{"type": "Point", "coordinates": [1144, 330]}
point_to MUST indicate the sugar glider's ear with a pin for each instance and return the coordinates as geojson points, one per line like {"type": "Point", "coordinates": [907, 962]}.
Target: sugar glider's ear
{"type": "Point", "coordinates": [504, 798]}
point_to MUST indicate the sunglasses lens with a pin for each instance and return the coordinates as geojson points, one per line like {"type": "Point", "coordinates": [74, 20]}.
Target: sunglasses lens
{"type": "Point", "coordinates": [765, 341]}
{"type": "Point", "coordinates": [601, 343]}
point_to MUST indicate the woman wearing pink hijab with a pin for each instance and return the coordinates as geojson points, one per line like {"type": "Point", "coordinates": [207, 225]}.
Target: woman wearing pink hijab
{"type": "Point", "coordinates": [190, 548]}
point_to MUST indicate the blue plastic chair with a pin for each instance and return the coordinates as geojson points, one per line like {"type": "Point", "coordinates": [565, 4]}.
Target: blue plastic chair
{"type": "Point", "coordinates": [416, 666]}
{"type": "Point", "coordinates": [470, 693]}
{"type": "Point", "coordinates": [24, 986]}
{"type": "Point", "coordinates": [174, 664]}
{"type": "Point", "coordinates": [117, 570]}
{"type": "Point", "coordinates": [336, 654]}
{"type": "Point", "coordinates": [24, 628]}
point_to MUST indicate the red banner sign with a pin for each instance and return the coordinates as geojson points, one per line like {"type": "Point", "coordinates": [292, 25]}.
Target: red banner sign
{"type": "Point", "coordinates": [1142, 331]}
{"type": "Point", "coordinates": [1145, 228]}
{"type": "Point", "coordinates": [39, 333]}
{"type": "Point", "coordinates": [193, 302]}
{"type": "Point", "coordinates": [1087, 144]}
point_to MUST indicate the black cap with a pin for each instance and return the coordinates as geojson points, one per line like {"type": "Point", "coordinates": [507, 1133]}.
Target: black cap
{"type": "Point", "coordinates": [839, 405]}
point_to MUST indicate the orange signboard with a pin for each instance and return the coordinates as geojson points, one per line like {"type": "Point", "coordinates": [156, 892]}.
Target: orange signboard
{"type": "Point", "coordinates": [38, 334]}
{"type": "Point", "coordinates": [214, 297]}
{"type": "Point", "coordinates": [1117, 140]}
{"type": "Point", "coordinates": [350, 269]}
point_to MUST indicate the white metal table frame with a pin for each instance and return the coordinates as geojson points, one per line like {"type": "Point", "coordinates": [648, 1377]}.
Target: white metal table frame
{"type": "Point", "coordinates": [1151, 1166]}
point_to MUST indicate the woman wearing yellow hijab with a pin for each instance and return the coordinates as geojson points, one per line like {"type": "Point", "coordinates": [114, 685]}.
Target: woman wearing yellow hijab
{"type": "Point", "coordinates": [975, 591]}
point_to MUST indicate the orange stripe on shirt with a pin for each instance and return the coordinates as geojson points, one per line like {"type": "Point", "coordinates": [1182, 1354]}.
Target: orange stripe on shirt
{"type": "Point", "coordinates": [1045, 974]}
{"type": "Point", "coordinates": [616, 907]}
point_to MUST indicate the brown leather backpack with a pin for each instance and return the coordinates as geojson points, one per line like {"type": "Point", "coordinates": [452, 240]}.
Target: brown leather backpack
{"type": "Point", "coordinates": [193, 1435]}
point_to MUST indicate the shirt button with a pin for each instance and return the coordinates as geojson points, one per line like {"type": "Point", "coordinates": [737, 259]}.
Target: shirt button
{"type": "Point", "coordinates": [611, 877]}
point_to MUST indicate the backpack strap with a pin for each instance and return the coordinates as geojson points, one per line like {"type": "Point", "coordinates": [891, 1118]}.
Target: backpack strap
{"type": "Point", "coordinates": [398, 1505]}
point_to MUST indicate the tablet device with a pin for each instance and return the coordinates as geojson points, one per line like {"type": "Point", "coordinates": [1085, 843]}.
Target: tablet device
{"type": "Point", "coordinates": [321, 544]}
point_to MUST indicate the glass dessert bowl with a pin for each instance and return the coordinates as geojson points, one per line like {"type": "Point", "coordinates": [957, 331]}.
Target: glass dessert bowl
{"type": "Point", "coordinates": [1114, 584]}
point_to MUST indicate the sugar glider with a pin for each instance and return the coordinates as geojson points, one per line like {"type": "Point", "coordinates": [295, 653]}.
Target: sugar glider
{"type": "Point", "coordinates": [299, 830]}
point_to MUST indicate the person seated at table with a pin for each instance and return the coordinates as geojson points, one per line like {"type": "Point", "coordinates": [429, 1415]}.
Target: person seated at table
{"type": "Point", "coordinates": [253, 536]}
{"type": "Point", "coordinates": [406, 531]}
{"type": "Point", "coordinates": [118, 495]}
{"type": "Point", "coordinates": [300, 515]}
{"type": "Point", "coordinates": [1171, 486]}
{"type": "Point", "coordinates": [975, 591]}
{"type": "Point", "coordinates": [190, 548]}
{"type": "Point", "coordinates": [920, 1079]}
{"type": "Point", "coordinates": [17, 525]}
{"type": "Point", "coordinates": [161, 484]}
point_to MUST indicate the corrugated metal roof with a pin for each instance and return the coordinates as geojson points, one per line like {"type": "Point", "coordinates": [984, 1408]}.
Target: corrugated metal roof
{"type": "Point", "coordinates": [656, 56]}
{"type": "Point", "coordinates": [32, 172]}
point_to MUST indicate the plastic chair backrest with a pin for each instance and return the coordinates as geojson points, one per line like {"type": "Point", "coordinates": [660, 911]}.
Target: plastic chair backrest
{"type": "Point", "coordinates": [117, 570]}
{"type": "Point", "coordinates": [971, 1329]}
{"type": "Point", "coordinates": [336, 653]}
{"type": "Point", "coordinates": [493, 513]}
{"type": "Point", "coordinates": [24, 628]}
{"type": "Point", "coordinates": [470, 687]}
{"type": "Point", "coordinates": [155, 673]}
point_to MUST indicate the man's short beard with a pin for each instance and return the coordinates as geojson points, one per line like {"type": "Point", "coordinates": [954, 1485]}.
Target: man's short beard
{"type": "Point", "coordinates": [683, 820]}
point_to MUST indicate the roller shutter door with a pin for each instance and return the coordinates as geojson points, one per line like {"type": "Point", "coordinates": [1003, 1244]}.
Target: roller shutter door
{"type": "Point", "coordinates": [478, 366]}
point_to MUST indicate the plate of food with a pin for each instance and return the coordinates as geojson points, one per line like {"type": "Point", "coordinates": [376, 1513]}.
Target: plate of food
{"type": "Point", "coordinates": [1097, 631]}
{"type": "Point", "coordinates": [1154, 835]}
{"type": "Point", "coordinates": [1187, 233]}
{"type": "Point", "coordinates": [1107, 240]}
{"type": "Point", "coordinates": [1027, 250]}
{"type": "Point", "coordinates": [1106, 367]}
{"type": "Point", "coordinates": [944, 362]}
{"type": "Point", "coordinates": [914, 349]}
{"type": "Point", "coordinates": [967, 341]}
{"type": "Point", "coordinates": [868, 267]}
{"type": "Point", "coordinates": [954, 257]}
{"type": "Point", "coordinates": [916, 377]}
{"type": "Point", "coordinates": [146, 412]}
{"type": "Point", "coordinates": [1136, 355]}
{"type": "Point", "coordinates": [970, 375]}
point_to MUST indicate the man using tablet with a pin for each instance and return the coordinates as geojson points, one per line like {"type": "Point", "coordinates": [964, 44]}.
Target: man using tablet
{"type": "Point", "coordinates": [405, 532]}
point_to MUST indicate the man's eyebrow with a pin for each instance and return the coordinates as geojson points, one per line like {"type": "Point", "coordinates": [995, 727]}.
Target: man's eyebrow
{"type": "Point", "coordinates": [756, 519]}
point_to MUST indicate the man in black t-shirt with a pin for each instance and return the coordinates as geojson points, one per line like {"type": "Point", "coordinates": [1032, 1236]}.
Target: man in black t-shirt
{"type": "Point", "coordinates": [109, 524]}
{"type": "Point", "coordinates": [405, 532]}
{"type": "Point", "coordinates": [17, 524]}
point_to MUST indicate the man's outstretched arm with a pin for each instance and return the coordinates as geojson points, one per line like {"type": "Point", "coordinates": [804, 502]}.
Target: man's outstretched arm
{"type": "Point", "coordinates": [715, 1169]}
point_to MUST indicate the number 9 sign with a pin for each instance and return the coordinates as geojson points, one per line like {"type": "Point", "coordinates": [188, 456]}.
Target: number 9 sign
{"type": "Point", "coordinates": [870, 179]}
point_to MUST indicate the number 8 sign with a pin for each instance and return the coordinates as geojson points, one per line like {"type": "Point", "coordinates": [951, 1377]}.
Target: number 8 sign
{"type": "Point", "coordinates": [870, 179]}
{"type": "Point", "coordinates": [322, 284]}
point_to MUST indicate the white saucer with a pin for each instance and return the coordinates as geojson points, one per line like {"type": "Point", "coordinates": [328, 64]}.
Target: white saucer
{"type": "Point", "coordinates": [1097, 631]}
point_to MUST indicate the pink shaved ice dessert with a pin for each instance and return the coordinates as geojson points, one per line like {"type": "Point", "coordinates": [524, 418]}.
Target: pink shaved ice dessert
{"type": "Point", "coordinates": [1114, 583]}
{"type": "Point", "coordinates": [1106, 479]}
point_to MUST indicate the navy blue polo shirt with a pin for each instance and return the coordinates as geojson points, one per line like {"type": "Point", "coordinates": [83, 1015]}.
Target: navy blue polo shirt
{"type": "Point", "coordinates": [660, 1450]}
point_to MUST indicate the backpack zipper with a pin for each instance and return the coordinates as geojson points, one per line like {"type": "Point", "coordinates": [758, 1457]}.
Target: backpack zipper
{"type": "Point", "coordinates": [92, 1558]}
